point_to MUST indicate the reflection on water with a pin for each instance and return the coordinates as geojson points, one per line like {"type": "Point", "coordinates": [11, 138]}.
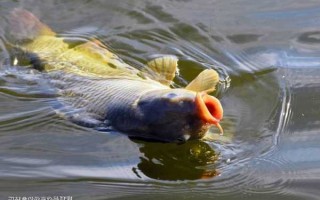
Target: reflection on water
{"type": "Point", "coordinates": [268, 49]}
{"type": "Point", "coordinates": [190, 161]}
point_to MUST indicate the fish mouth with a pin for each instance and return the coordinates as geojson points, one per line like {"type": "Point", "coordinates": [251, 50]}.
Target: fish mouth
{"type": "Point", "coordinates": [209, 109]}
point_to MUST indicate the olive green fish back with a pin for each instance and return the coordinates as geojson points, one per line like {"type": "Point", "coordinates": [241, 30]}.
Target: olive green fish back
{"type": "Point", "coordinates": [52, 52]}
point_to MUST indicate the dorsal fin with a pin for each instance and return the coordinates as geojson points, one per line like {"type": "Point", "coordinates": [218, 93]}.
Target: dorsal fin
{"type": "Point", "coordinates": [165, 66]}
{"type": "Point", "coordinates": [96, 49]}
{"type": "Point", "coordinates": [205, 81]}
{"type": "Point", "coordinates": [23, 25]}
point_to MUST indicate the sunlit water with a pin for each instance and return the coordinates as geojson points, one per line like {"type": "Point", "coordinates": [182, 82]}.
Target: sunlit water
{"type": "Point", "coordinates": [268, 49]}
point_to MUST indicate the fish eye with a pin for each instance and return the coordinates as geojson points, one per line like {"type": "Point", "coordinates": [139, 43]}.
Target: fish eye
{"type": "Point", "coordinates": [183, 138]}
{"type": "Point", "coordinates": [180, 140]}
{"type": "Point", "coordinates": [171, 95]}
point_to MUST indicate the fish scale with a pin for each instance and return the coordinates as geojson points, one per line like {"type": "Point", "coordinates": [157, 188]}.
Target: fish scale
{"type": "Point", "coordinates": [87, 93]}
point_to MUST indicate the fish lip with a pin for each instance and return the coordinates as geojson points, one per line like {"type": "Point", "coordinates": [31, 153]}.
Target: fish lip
{"type": "Point", "coordinates": [209, 109]}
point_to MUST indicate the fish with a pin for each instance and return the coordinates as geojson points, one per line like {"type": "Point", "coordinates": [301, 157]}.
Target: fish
{"type": "Point", "coordinates": [97, 89]}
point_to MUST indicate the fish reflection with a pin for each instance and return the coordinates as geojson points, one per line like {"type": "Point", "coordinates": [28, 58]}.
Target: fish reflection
{"type": "Point", "coordinates": [189, 161]}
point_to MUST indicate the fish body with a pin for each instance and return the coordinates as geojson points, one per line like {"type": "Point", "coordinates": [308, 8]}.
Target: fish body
{"type": "Point", "coordinates": [95, 84]}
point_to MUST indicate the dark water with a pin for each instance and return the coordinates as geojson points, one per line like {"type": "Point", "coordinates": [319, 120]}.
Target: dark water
{"type": "Point", "coordinates": [268, 49]}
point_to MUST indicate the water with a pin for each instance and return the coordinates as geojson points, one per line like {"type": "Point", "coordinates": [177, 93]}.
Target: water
{"type": "Point", "coordinates": [268, 49]}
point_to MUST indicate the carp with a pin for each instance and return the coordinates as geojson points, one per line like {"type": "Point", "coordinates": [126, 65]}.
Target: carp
{"type": "Point", "coordinates": [97, 89]}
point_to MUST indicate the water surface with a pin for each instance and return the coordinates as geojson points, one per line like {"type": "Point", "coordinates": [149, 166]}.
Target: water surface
{"type": "Point", "coordinates": [267, 55]}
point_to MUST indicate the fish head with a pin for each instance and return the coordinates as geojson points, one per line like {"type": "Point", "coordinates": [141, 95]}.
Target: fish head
{"type": "Point", "coordinates": [179, 114]}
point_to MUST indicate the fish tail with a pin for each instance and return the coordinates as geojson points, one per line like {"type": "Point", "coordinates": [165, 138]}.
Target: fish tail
{"type": "Point", "coordinates": [23, 25]}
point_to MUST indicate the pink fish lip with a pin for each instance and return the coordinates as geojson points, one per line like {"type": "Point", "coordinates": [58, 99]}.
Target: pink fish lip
{"type": "Point", "coordinates": [209, 109]}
